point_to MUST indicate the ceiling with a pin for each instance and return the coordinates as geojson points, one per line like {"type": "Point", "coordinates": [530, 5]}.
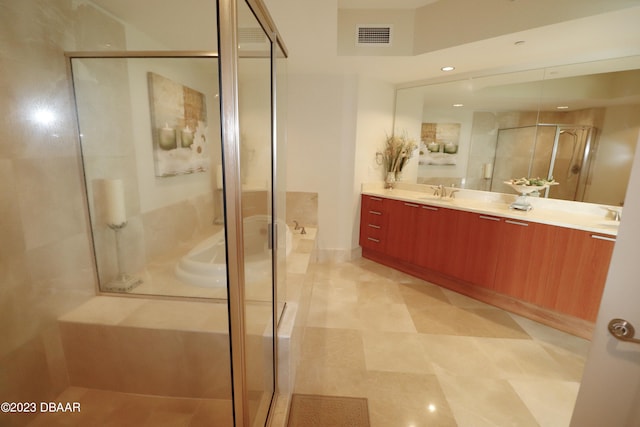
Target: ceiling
{"type": "Point", "coordinates": [601, 29]}
{"type": "Point", "coordinates": [383, 4]}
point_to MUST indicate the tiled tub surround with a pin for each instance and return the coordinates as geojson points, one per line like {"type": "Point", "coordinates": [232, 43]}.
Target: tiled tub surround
{"type": "Point", "coordinates": [155, 241]}
{"type": "Point", "coordinates": [562, 289]}
{"type": "Point", "coordinates": [148, 362]}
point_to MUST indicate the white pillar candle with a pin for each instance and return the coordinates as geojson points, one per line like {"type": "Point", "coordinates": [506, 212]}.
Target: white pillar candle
{"type": "Point", "coordinates": [219, 177]}
{"type": "Point", "coordinates": [114, 202]}
{"type": "Point", "coordinates": [488, 170]}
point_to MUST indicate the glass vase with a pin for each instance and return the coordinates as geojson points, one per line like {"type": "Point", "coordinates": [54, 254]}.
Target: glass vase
{"type": "Point", "coordinates": [390, 180]}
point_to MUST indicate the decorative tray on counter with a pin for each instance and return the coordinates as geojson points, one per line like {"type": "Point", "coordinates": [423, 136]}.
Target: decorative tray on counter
{"type": "Point", "coordinates": [526, 186]}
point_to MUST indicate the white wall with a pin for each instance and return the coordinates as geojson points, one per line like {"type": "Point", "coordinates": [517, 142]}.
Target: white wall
{"type": "Point", "coordinates": [408, 118]}
{"type": "Point", "coordinates": [374, 123]}
{"type": "Point", "coordinates": [320, 141]}
{"type": "Point", "coordinates": [201, 75]}
{"type": "Point", "coordinates": [156, 192]}
{"type": "Point", "coordinates": [335, 126]}
{"type": "Point", "coordinates": [335, 122]}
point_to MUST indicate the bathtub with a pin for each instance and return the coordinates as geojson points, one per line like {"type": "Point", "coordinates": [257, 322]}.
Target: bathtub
{"type": "Point", "coordinates": [205, 265]}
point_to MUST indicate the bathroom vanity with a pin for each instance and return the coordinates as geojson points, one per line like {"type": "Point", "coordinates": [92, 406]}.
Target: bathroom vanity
{"type": "Point", "coordinates": [548, 264]}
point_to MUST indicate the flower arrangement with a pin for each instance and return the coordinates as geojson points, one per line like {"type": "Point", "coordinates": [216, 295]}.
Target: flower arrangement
{"type": "Point", "coordinates": [398, 151]}
{"type": "Point", "coordinates": [537, 182]}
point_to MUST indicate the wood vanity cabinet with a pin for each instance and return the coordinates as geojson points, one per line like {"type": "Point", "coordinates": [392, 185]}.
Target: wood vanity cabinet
{"type": "Point", "coordinates": [373, 220]}
{"type": "Point", "coordinates": [556, 268]}
{"type": "Point", "coordinates": [433, 235]}
{"type": "Point", "coordinates": [479, 243]}
{"type": "Point", "coordinates": [580, 271]}
{"type": "Point", "coordinates": [526, 254]}
{"type": "Point", "coordinates": [401, 229]}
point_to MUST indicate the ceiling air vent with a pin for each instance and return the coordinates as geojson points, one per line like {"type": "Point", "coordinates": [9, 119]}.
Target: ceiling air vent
{"type": "Point", "coordinates": [373, 35]}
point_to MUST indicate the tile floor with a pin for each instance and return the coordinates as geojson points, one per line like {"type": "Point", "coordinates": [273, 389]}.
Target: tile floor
{"type": "Point", "coordinates": [114, 409]}
{"type": "Point", "coordinates": [426, 356]}
{"type": "Point", "coordinates": [422, 355]}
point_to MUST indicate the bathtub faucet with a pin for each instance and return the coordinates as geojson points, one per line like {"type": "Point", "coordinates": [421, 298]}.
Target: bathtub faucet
{"type": "Point", "coordinates": [298, 227]}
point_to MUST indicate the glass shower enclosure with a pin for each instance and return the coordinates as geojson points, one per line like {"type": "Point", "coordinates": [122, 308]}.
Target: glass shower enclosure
{"type": "Point", "coordinates": [185, 197]}
{"type": "Point", "coordinates": [558, 151]}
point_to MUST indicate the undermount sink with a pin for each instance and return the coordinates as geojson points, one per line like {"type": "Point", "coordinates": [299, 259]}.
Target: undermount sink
{"type": "Point", "coordinates": [609, 224]}
{"type": "Point", "coordinates": [436, 199]}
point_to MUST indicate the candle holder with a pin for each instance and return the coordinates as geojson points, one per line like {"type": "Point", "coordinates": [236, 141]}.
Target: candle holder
{"type": "Point", "coordinates": [123, 281]}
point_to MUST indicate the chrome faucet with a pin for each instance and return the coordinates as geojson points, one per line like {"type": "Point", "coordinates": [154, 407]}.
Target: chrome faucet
{"type": "Point", "coordinates": [438, 190]}
{"type": "Point", "coordinates": [299, 227]}
{"type": "Point", "coordinates": [615, 214]}
{"type": "Point", "coordinates": [441, 191]}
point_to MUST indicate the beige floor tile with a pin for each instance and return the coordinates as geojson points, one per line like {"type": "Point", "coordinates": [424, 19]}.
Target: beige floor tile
{"type": "Point", "coordinates": [402, 399]}
{"type": "Point", "coordinates": [395, 352]}
{"type": "Point", "coordinates": [452, 320]}
{"type": "Point", "coordinates": [572, 364]}
{"type": "Point", "coordinates": [385, 317]}
{"type": "Point", "coordinates": [314, 378]}
{"type": "Point", "coordinates": [557, 338]}
{"type": "Point", "coordinates": [382, 291]}
{"type": "Point", "coordinates": [460, 300]}
{"type": "Point", "coordinates": [458, 355]}
{"type": "Point", "coordinates": [480, 402]}
{"type": "Point", "coordinates": [551, 402]}
{"type": "Point", "coordinates": [333, 348]}
{"type": "Point", "coordinates": [333, 314]}
{"type": "Point", "coordinates": [521, 359]}
{"type": "Point", "coordinates": [331, 290]}
{"type": "Point", "coordinates": [213, 412]}
{"type": "Point", "coordinates": [422, 295]}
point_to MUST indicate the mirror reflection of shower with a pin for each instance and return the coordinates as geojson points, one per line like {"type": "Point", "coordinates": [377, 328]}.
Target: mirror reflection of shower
{"type": "Point", "coordinates": [561, 152]}
{"type": "Point", "coordinates": [570, 162]}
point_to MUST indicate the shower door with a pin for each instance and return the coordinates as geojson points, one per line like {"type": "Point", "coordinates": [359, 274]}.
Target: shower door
{"type": "Point", "coordinates": [548, 151]}
{"type": "Point", "coordinates": [514, 151]}
{"type": "Point", "coordinates": [570, 166]}
{"type": "Point", "coordinates": [255, 103]}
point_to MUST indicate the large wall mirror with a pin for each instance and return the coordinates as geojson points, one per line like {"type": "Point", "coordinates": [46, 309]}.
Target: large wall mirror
{"type": "Point", "coordinates": [576, 123]}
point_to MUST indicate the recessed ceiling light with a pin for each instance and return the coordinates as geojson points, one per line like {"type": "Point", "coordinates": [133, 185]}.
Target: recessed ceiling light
{"type": "Point", "coordinates": [458, 105]}
{"type": "Point", "coordinates": [562, 107]}
{"type": "Point", "coordinates": [448, 68]}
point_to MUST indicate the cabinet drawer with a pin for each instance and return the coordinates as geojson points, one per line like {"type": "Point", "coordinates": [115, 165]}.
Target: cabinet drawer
{"type": "Point", "coordinates": [372, 216]}
{"type": "Point", "coordinates": [373, 202]}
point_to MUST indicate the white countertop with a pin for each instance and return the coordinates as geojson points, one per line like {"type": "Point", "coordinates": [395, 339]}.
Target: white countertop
{"type": "Point", "coordinates": [582, 216]}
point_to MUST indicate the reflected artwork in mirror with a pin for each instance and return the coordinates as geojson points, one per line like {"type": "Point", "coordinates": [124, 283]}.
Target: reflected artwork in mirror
{"type": "Point", "coordinates": [578, 124]}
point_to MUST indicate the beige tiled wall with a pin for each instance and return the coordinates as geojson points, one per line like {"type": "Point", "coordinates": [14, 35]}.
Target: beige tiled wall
{"type": "Point", "coordinates": [302, 207]}
{"type": "Point", "coordinates": [46, 265]}
{"type": "Point", "coordinates": [45, 262]}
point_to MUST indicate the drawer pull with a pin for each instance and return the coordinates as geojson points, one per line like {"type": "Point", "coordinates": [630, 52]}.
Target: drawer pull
{"type": "Point", "coordinates": [431, 208]}
{"type": "Point", "coordinates": [490, 218]}
{"type": "Point", "coordinates": [373, 240]}
{"type": "Point", "coordinates": [508, 221]}
{"type": "Point", "coordinates": [375, 212]}
{"type": "Point", "coordinates": [412, 205]}
{"type": "Point", "coordinates": [608, 239]}
{"type": "Point", "coordinates": [373, 226]}
{"type": "Point", "coordinates": [377, 199]}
